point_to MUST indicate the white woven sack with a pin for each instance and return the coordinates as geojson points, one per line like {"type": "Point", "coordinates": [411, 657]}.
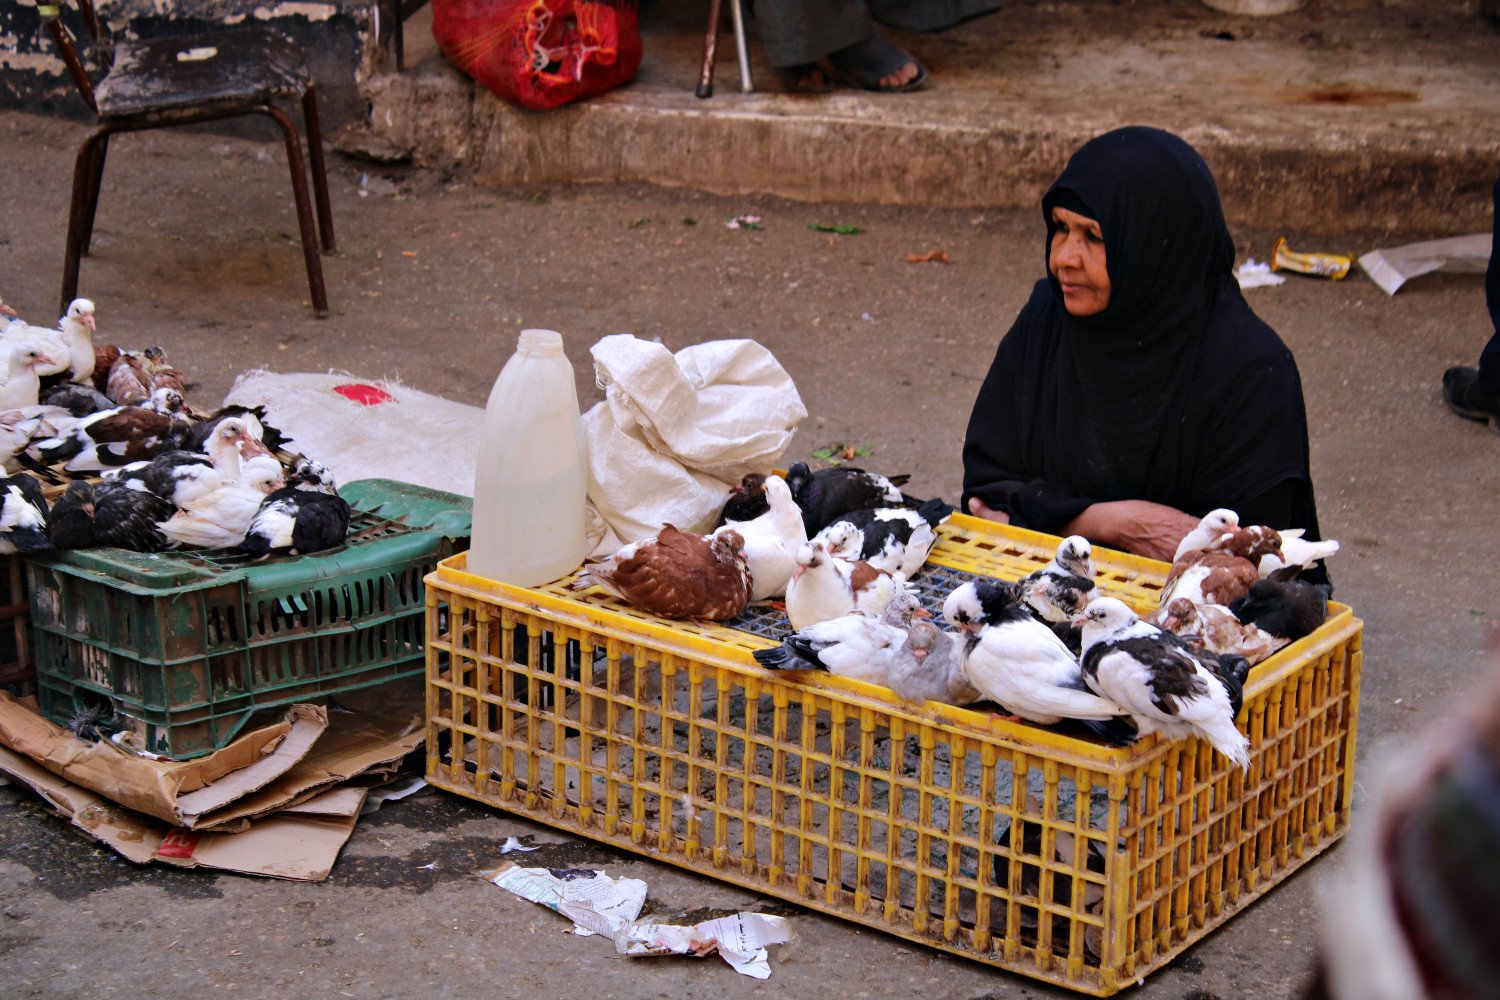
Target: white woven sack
{"type": "Point", "coordinates": [410, 436]}
{"type": "Point", "coordinates": [675, 431]}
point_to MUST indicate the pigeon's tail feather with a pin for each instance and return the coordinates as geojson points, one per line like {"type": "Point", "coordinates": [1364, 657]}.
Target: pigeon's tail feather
{"type": "Point", "coordinates": [900, 480]}
{"type": "Point", "coordinates": [1117, 731]}
{"type": "Point", "coordinates": [1228, 740]}
{"type": "Point", "coordinates": [935, 511]}
{"type": "Point", "coordinates": [783, 657]}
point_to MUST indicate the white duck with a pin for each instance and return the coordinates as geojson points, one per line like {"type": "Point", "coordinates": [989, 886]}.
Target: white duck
{"type": "Point", "coordinates": [220, 518]}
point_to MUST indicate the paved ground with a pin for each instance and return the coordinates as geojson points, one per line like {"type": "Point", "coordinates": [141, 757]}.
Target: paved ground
{"type": "Point", "coordinates": [196, 250]}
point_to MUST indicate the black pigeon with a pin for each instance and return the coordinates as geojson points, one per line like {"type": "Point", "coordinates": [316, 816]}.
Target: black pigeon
{"type": "Point", "coordinates": [127, 518]}
{"type": "Point", "coordinates": [92, 722]}
{"type": "Point", "coordinates": [23, 515]}
{"type": "Point", "coordinates": [1287, 609]}
{"type": "Point", "coordinates": [747, 501]}
{"type": "Point", "coordinates": [70, 522]}
{"type": "Point", "coordinates": [79, 400]}
{"type": "Point", "coordinates": [829, 493]}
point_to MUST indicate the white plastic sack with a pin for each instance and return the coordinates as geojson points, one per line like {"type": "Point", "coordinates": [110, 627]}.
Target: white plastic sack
{"type": "Point", "coordinates": [365, 428]}
{"type": "Point", "coordinates": [1392, 267]}
{"type": "Point", "coordinates": [675, 431]}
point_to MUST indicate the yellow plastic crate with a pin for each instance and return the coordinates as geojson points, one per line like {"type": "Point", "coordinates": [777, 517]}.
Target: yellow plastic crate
{"type": "Point", "coordinates": [667, 739]}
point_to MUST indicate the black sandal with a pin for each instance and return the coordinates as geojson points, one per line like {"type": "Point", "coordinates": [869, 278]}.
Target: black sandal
{"type": "Point", "coordinates": [866, 63]}
{"type": "Point", "coordinates": [796, 78]}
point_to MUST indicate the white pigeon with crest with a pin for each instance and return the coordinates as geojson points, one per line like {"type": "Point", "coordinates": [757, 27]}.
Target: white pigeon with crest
{"type": "Point", "coordinates": [855, 645]}
{"type": "Point", "coordinates": [1018, 662]}
{"type": "Point", "coordinates": [771, 541]}
{"type": "Point", "coordinates": [1215, 526]}
{"type": "Point", "coordinates": [220, 518]}
{"type": "Point", "coordinates": [1157, 680]}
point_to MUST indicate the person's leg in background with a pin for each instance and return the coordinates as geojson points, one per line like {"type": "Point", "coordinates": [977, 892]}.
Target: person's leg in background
{"type": "Point", "coordinates": [1476, 393]}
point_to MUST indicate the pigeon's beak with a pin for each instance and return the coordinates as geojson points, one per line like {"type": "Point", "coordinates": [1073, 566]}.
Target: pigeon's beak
{"type": "Point", "coordinates": [921, 613]}
{"type": "Point", "coordinates": [45, 359]}
{"type": "Point", "coordinates": [250, 446]}
{"type": "Point", "coordinates": [919, 654]}
{"type": "Point", "coordinates": [1078, 621]}
{"type": "Point", "coordinates": [88, 321]}
{"type": "Point", "coordinates": [797, 573]}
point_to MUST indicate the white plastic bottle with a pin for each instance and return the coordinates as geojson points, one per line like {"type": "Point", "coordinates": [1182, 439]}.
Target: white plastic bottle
{"type": "Point", "coordinates": [531, 480]}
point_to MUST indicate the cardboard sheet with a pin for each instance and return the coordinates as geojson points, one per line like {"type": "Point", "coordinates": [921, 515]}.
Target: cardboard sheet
{"type": "Point", "coordinates": [301, 847]}
{"type": "Point", "coordinates": [183, 793]}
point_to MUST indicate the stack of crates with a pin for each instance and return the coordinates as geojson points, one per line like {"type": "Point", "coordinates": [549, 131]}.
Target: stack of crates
{"type": "Point", "coordinates": [185, 646]}
{"type": "Point", "coordinates": [1025, 847]}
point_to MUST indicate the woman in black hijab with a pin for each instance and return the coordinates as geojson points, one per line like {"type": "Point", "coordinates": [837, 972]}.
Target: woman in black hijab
{"type": "Point", "coordinates": [1136, 390]}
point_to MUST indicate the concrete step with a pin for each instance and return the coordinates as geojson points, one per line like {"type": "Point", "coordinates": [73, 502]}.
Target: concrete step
{"type": "Point", "coordinates": [1344, 116]}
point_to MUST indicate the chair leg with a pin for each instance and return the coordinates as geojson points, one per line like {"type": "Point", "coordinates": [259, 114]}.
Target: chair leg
{"type": "Point", "coordinates": [741, 49]}
{"type": "Point", "coordinates": [78, 209]}
{"type": "Point", "coordinates": [710, 49]}
{"type": "Point", "coordinates": [304, 210]}
{"type": "Point", "coordinates": [95, 179]}
{"type": "Point", "coordinates": [319, 172]}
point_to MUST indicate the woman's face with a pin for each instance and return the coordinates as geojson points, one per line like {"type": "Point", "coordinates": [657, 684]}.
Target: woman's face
{"type": "Point", "coordinates": [1076, 260]}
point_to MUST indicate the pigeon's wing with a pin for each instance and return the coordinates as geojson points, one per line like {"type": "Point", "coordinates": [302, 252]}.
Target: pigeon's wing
{"type": "Point", "coordinates": [321, 523]}
{"type": "Point", "coordinates": [864, 649]}
{"type": "Point", "coordinates": [31, 489]}
{"type": "Point", "coordinates": [1027, 669]}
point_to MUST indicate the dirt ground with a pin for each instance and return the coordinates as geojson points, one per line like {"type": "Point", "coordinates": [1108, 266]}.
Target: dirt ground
{"type": "Point", "coordinates": [195, 250]}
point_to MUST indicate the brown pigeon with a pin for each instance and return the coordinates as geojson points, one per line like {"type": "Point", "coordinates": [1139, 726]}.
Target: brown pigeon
{"type": "Point", "coordinates": [677, 574]}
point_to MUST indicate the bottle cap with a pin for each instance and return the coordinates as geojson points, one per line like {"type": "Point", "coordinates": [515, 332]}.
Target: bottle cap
{"type": "Point", "coordinates": [540, 342]}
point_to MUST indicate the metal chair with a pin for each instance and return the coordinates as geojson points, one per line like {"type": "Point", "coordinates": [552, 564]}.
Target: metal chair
{"type": "Point", "coordinates": [711, 46]}
{"type": "Point", "coordinates": [161, 82]}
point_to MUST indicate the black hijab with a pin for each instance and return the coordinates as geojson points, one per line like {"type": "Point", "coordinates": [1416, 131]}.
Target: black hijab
{"type": "Point", "coordinates": [1176, 392]}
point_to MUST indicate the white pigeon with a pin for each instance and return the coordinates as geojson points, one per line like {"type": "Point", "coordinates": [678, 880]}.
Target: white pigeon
{"type": "Point", "coordinates": [21, 380]}
{"type": "Point", "coordinates": [1018, 662]}
{"type": "Point", "coordinates": [220, 518]}
{"type": "Point", "coordinates": [824, 586]}
{"type": "Point", "coordinates": [69, 347]}
{"type": "Point", "coordinates": [1211, 529]}
{"type": "Point", "coordinates": [1163, 686]}
{"type": "Point", "coordinates": [855, 645]}
{"type": "Point", "coordinates": [771, 541]}
{"type": "Point", "coordinates": [929, 666]}
{"type": "Point", "coordinates": [1296, 554]}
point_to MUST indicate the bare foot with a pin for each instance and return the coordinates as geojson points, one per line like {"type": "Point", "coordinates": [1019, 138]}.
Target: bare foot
{"type": "Point", "coordinates": [906, 74]}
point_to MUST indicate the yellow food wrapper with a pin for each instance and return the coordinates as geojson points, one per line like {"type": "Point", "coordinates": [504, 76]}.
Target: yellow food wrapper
{"type": "Point", "coordinates": [1319, 265]}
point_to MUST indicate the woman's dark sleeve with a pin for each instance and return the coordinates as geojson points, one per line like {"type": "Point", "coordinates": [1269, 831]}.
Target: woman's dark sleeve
{"type": "Point", "coordinates": [995, 469]}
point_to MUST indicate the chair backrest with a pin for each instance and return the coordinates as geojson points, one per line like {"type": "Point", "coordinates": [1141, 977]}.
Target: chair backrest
{"type": "Point", "coordinates": [51, 13]}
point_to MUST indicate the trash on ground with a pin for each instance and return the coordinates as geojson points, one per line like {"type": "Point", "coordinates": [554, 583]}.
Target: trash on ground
{"type": "Point", "coordinates": [1320, 265]}
{"type": "Point", "coordinates": [610, 907]}
{"type": "Point", "coordinates": [824, 227]}
{"type": "Point", "coordinates": [930, 257]}
{"type": "Point", "coordinates": [1254, 274]}
{"type": "Point", "coordinates": [514, 844]}
{"type": "Point", "coordinates": [392, 793]}
{"type": "Point", "coordinates": [1392, 267]}
{"type": "Point", "coordinates": [745, 222]}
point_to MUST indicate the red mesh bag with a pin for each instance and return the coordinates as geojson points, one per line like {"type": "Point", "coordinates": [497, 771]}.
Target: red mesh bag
{"type": "Point", "coordinates": [541, 53]}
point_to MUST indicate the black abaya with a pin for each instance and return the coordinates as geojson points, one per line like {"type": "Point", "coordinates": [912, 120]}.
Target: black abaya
{"type": "Point", "coordinates": [1176, 393]}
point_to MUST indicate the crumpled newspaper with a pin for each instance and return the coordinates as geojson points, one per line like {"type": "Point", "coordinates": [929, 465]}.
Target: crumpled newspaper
{"type": "Point", "coordinates": [610, 907]}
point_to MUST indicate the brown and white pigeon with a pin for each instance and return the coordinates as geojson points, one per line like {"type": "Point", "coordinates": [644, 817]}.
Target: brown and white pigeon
{"type": "Point", "coordinates": [677, 574]}
{"type": "Point", "coordinates": [1296, 555]}
{"type": "Point", "coordinates": [1215, 628]}
{"type": "Point", "coordinates": [771, 540]}
{"type": "Point", "coordinates": [1163, 686]}
{"type": "Point", "coordinates": [747, 500]}
{"type": "Point", "coordinates": [856, 645]}
{"type": "Point", "coordinates": [1223, 572]}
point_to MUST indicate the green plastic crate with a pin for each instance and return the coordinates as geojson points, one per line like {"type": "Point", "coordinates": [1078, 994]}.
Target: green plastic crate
{"type": "Point", "coordinates": [187, 645]}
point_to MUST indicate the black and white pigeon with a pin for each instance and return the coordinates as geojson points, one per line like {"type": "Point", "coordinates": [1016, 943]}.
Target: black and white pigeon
{"type": "Point", "coordinates": [829, 493]}
{"type": "Point", "coordinates": [892, 538]}
{"type": "Point", "coordinates": [23, 515]}
{"type": "Point", "coordinates": [1287, 609]}
{"type": "Point", "coordinates": [1296, 554]}
{"type": "Point", "coordinates": [1060, 590]}
{"type": "Point", "coordinates": [77, 398]}
{"type": "Point", "coordinates": [127, 518]}
{"type": "Point", "coordinates": [1163, 686]}
{"type": "Point", "coordinates": [929, 666]}
{"type": "Point", "coordinates": [1017, 662]}
{"type": "Point", "coordinates": [306, 515]}
{"type": "Point", "coordinates": [855, 645]}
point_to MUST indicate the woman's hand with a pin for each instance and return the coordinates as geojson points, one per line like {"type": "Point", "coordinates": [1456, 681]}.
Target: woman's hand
{"type": "Point", "coordinates": [1139, 526]}
{"type": "Point", "coordinates": [979, 508]}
